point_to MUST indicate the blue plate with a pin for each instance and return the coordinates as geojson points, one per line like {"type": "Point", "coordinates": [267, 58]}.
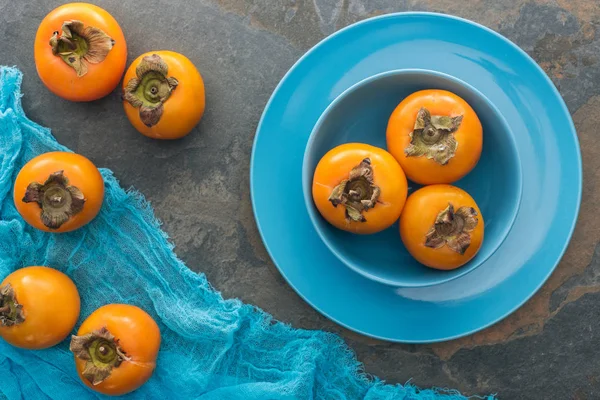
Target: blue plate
{"type": "Point", "coordinates": [546, 142]}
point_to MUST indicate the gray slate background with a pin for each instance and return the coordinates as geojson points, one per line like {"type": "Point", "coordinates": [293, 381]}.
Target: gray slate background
{"type": "Point", "coordinates": [200, 190]}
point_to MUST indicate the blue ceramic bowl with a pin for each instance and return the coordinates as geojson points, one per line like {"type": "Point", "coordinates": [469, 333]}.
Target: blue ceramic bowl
{"type": "Point", "coordinates": [360, 114]}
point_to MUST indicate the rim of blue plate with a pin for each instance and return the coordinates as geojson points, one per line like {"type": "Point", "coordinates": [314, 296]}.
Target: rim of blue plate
{"type": "Point", "coordinates": [313, 213]}
{"type": "Point", "coordinates": [562, 105]}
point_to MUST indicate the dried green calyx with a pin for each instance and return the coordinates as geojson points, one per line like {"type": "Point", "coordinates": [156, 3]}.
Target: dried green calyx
{"type": "Point", "coordinates": [78, 45]}
{"type": "Point", "coordinates": [150, 89]}
{"type": "Point", "coordinates": [57, 200]}
{"type": "Point", "coordinates": [101, 352]}
{"type": "Point", "coordinates": [452, 229]}
{"type": "Point", "coordinates": [357, 193]}
{"type": "Point", "coordinates": [11, 312]}
{"type": "Point", "coordinates": [433, 137]}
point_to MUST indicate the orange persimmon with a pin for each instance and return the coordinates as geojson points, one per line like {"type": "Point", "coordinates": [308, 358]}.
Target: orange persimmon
{"type": "Point", "coordinates": [436, 137]}
{"type": "Point", "coordinates": [80, 52]}
{"type": "Point", "coordinates": [441, 226]}
{"type": "Point", "coordinates": [39, 307]}
{"type": "Point", "coordinates": [163, 95]}
{"type": "Point", "coordinates": [115, 349]}
{"type": "Point", "coordinates": [58, 191]}
{"type": "Point", "coordinates": [359, 188]}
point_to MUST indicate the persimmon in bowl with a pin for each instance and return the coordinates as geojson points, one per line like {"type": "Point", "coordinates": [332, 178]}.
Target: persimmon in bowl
{"type": "Point", "coordinates": [360, 115]}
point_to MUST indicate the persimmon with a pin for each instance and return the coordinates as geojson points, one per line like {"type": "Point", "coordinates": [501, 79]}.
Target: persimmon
{"type": "Point", "coordinates": [115, 349]}
{"type": "Point", "coordinates": [39, 307]}
{"type": "Point", "coordinates": [436, 137]}
{"type": "Point", "coordinates": [58, 191]}
{"type": "Point", "coordinates": [359, 188]}
{"type": "Point", "coordinates": [441, 226]}
{"type": "Point", "coordinates": [80, 52]}
{"type": "Point", "coordinates": [163, 95]}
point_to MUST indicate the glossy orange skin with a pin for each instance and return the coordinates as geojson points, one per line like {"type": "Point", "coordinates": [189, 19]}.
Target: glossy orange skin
{"type": "Point", "coordinates": [469, 136]}
{"type": "Point", "coordinates": [81, 173]}
{"type": "Point", "coordinates": [185, 106]}
{"type": "Point", "coordinates": [50, 303]}
{"type": "Point", "coordinates": [418, 216]}
{"type": "Point", "coordinates": [335, 166]}
{"type": "Point", "coordinates": [62, 80]}
{"type": "Point", "coordinates": [139, 337]}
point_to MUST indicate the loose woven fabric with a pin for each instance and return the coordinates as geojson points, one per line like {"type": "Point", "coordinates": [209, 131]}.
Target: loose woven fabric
{"type": "Point", "coordinates": [211, 348]}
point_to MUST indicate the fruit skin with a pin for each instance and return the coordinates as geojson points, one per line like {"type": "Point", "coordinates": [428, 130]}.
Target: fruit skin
{"type": "Point", "coordinates": [139, 337]}
{"type": "Point", "coordinates": [418, 217]}
{"type": "Point", "coordinates": [469, 137]}
{"type": "Point", "coordinates": [387, 173]}
{"type": "Point", "coordinates": [80, 172]}
{"type": "Point", "coordinates": [50, 303]}
{"type": "Point", "coordinates": [183, 110]}
{"type": "Point", "coordinates": [61, 79]}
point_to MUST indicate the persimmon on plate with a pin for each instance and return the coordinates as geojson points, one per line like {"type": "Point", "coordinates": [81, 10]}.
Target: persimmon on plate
{"type": "Point", "coordinates": [436, 136]}
{"type": "Point", "coordinates": [359, 188]}
{"type": "Point", "coordinates": [442, 226]}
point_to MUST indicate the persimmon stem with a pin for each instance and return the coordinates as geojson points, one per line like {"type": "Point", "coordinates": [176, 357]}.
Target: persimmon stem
{"type": "Point", "coordinates": [80, 45]}
{"type": "Point", "coordinates": [150, 89]}
{"type": "Point", "coordinates": [101, 352]}
{"type": "Point", "coordinates": [69, 42]}
{"type": "Point", "coordinates": [452, 228]}
{"type": "Point", "coordinates": [11, 313]}
{"type": "Point", "coordinates": [433, 137]}
{"type": "Point", "coordinates": [57, 199]}
{"type": "Point", "coordinates": [358, 193]}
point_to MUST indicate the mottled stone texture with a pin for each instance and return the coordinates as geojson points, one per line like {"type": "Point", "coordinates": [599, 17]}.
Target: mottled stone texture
{"type": "Point", "coordinates": [199, 185]}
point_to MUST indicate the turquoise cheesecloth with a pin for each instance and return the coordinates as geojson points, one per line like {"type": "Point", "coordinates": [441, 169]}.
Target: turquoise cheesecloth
{"type": "Point", "coordinates": [212, 348]}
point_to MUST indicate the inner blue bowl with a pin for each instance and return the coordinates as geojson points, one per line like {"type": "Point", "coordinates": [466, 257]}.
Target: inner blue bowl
{"type": "Point", "coordinates": [360, 114]}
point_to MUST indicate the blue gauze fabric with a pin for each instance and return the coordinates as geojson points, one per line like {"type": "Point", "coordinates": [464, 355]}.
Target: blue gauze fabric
{"type": "Point", "coordinates": [211, 348]}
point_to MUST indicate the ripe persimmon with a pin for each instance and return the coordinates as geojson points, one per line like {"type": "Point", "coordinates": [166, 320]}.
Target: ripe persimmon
{"type": "Point", "coordinates": [359, 188]}
{"type": "Point", "coordinates": [115, 349]}
{"type": "Point", "coordinates": [80, 52]}
{"type": "Point", "coordinates": [436, 137]}
{"type": "Point", "coordinates": [39, 307]}
{"type": "Point", "coordinates": [59, 191]}
{"type": "Point", "coordinates": [163, 95]}
{"type": "Point", "coordinates": [441, 226]}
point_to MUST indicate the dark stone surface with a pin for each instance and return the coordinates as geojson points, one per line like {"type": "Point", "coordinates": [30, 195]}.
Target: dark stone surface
{"type": "Point", "coordinates": [199, 185]}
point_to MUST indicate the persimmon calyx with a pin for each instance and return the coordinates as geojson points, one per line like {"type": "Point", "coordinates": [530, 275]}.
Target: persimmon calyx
{"type": "Point", "coordinates": [78, 45]}
{"type": "Point", "coordinates": [433, 137]}
{"type": "Point", "coordinates": [149, 90]}
{"type": "Point", "coordinates": [452, 229]}
{"type": "Point", "coordinates": [58, 200]}
{"type": "Point", "coordinates": [358, 193]}
{"type": "Point", "coordinates": [11, 312]}
{"type": "Point", "coordinates": [101, 352]}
